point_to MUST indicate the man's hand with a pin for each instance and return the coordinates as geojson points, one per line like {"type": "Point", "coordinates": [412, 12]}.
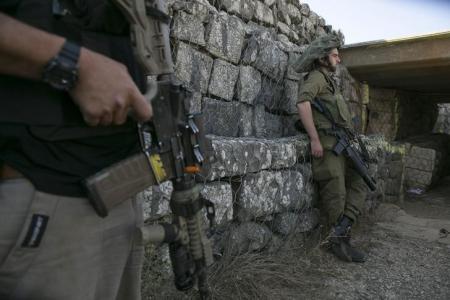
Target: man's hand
{"type": "Point", "coordinates": [316, 148]}
{"type": "Point", "coordinates": [106, 93]}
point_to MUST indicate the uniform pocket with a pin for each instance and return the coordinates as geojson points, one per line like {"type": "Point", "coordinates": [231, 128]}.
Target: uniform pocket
{"type": "Point", "coordinates": [24, 221]}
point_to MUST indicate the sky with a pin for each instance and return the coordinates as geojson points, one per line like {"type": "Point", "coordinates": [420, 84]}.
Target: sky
{"type": "Point", "coordinates": [368, 20]}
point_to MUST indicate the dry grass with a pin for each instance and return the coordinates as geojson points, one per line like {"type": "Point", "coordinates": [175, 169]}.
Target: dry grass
{"type": "Point", "coordinates": [285, 274]}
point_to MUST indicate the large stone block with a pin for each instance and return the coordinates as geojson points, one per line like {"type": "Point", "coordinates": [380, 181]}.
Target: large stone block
{"type": "Point", "coordinates": [225, 36]}
{"type": "Point", "coordinates": [291, 96]}
{"type": "Point", "coordinates": [220, 117]}
{"type": "Point", "coordinates": [271, 94]}
{"type": "Point", "coordinates": [189, 28]}
{"type": "Point", "coordinates": [262, 53]}
{"type": "Point", "coordinates": [284, 155]}
{"type": "Point", "coordinates": [249, 84]}
{"type": "Point", "coordinates": [295, 14]}
{"type": "Point", "coordinates": [239, 156]}
{"type": "Point", "coordinates": [193, 67]}
{"type": "Point", "coordinates": [155, 200]}
{"type": "Point", "coordinates": [246, 121]}
{"type": "Point", "coordinates": [221, 195]}
{"type": "Point", "coordinates": [425, 153]}
{"type": "Point", "coordinates": [267, 125]}
{"type": "Point", "coordinates": [286, 30]}
{"type": "Point", "coordinates": [418, 178]}
{"type": "Point", "coordinates": [305, 10]}
{"type": "Point", "coordinates": [248, 237]}
{"type": "Point", "coordinates": [201, 9]}
{"type": "Point", "coordinates": [283, 12]}
{"type": "Point", "coordinates": [263, 13]}
{"type": "Point", "coordinates": [242, 8]}
{"type": "Point", "coordinates": [419, 163]}
{"type": "Point", "coordinates": [291, 73]}
{"type": "Point", "coordinates": [266, 192]}
{"type": "Point", "coordinates": [223, 79]}
{"type": "Point", "coordinates": [294, 222]}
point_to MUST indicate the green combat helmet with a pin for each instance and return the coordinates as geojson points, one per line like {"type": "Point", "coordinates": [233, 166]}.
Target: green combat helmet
{"type": "Point", "coordinates": [319, 48]}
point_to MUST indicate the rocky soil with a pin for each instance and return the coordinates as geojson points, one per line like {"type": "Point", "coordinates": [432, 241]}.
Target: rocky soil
{"type": "Point", "coordinates": [409, 254]}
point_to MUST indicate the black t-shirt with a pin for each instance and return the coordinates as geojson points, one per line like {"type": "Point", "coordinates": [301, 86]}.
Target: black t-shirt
{"type": "Point", "coordinates": [57, 158]}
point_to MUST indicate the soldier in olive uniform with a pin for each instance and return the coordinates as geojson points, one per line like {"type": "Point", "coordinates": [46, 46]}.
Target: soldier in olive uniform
{"type": "Point", "coordinates": [342, 190]}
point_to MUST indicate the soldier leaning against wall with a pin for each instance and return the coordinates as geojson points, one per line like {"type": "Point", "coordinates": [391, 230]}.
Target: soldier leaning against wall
{"type": "Point", "coordinates": [342, 191]}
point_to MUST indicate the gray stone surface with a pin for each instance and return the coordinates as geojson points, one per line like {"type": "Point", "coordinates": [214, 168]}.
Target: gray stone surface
{"type": "Point", "coordinates": [291, 73]}
{"type": "Point", "coordinates": [238, 156]}
{"type": "Point", "coordinates": [283, 12]}
{"type": "Point", "coordinates": [155, 200]}
{"type": "Point", "coordinates": [262, 52]}
{"type": "Point", "coordinates": [289, 32]}
{"type": "Point", "coordinates": [294, 13]}
{"type": "Point", "coordinates": [305, 10]}
{"type": "Point", "coordinates": [284, 155]}
{"type": "Point", "coordinates": [267, 125]}
{"type": "Point", "coordinates": [201, 9]}
{"type": "Point", "coordinates": [195, 103]}
{"type": "Point", "coordinates": [193, 67]}
{"type": "Point", "coordinates": [263, 13]}
{"type": "Point", "coordinates": [225, 36]}
{"type": "Point", "coordinates": [251, 27]}
{"type": "Point", "coordinates": [221, 117]}
{"type": "Point", "coordinates": [223, 79]}
{"type": "Point", "coordinates": [294, 222]}
{"type": "Point", "coordinates": [221, 195]}
{"type": "Point", "coordinates": [249, 84]}
{"type": "Point", "coordinates": [243, 8]}
{"type": "Point", "coordinates": [246, 121]}
{"type": "Point", "coordinates": [269, 2]}
{"type": "Point", "coordinates": [271, 94]}
{"type": "Point", "coordinates": [266, 192]}
{"type": "Point", "coordinates": [189, 28]}
{"type": "Point", "coordinates": [291, 96]}
{"type": "Point", "coordinates": [249, 237]}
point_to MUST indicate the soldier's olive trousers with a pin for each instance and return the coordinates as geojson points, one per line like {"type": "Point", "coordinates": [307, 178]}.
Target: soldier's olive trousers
{"type": "Point", "coordinates": [54, 247]}
{"type": "Point", "coordinates": [341, 189]}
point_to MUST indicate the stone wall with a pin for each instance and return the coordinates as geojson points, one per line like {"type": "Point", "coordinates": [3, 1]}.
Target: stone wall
{"type": "Point", "coordinates": [399, 114]}
{"type": "Point", "coordinates": [235, 56]}
{"type": "Point", "coordinates": [443, 120]}
{"type": "Point", "coordinates": [427, 161]}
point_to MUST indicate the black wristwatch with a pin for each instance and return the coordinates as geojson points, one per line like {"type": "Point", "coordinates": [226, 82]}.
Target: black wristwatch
{"type": "Point", "coordinates": [61, 72]}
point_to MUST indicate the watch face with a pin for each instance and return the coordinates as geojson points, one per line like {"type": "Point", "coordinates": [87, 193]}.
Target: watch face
{"type": "Point", "coordinates": [60, 76]}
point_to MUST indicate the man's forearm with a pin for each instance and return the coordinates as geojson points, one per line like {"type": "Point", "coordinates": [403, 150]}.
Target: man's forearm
{"type": "Point", "coordinates": [305, 112]}
{"type": "Point", "coordinates": [24, 50]}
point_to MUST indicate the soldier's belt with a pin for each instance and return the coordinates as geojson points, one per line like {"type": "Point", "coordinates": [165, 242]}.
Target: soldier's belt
{"type": "Point", "coordinates": [124, 179]}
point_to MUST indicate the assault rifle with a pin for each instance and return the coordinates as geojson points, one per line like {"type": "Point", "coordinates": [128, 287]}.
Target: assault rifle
{"type": "Point", "coordinates": [174, 148]}
{"type": "Point", "coordinates": [344, 145]}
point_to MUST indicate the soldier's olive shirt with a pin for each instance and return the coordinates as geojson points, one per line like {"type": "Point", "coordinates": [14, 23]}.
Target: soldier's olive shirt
{"type": "Point", "coordinates": [319, 84]}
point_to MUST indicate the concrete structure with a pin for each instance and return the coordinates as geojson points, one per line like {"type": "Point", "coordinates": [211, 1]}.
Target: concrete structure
{"type": "Point", "coordinates": [420, 64]}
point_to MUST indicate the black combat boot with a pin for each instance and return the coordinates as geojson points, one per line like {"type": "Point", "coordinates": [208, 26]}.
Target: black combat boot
{"type": "Point", "coordinates": [340, 242]}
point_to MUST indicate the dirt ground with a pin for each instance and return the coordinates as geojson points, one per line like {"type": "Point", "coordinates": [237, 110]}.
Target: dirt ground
{"type": "Point", "coordinates": [408, 254]}
{"type": "Point", "coordinates": [408, 258]}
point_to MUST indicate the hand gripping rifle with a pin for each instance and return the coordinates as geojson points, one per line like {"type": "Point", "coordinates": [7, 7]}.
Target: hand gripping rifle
{"type": "Point", "coordinates": [173, 149]}
{"type": "Point", "coordinates": [344, 145]}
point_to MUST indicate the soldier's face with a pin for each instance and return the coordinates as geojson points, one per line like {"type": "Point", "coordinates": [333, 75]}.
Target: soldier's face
{"type": "Point", "coordinates": [334, 60]}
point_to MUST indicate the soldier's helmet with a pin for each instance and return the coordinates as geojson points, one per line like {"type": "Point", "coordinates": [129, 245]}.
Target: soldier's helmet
{"type": "Point", "coordinates": [318, 48]}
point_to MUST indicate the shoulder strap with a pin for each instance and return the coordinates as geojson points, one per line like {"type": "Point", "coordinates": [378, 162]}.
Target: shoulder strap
{"type": "Point", "coordinates": [318, 104]}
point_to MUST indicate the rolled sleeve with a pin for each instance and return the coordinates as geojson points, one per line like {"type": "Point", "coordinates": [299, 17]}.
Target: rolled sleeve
{"type": "Point", "coordinates": [310, 88]}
